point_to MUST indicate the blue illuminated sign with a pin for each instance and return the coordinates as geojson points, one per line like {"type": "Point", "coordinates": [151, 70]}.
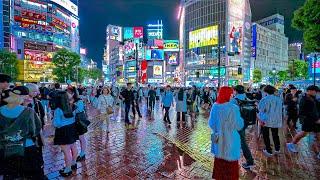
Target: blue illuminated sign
{"type": "Point", "coordinates": [254, 41]}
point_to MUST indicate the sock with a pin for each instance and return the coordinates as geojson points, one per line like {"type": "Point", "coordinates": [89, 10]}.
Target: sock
{"type": "Point", "coordinates": [67, 169]}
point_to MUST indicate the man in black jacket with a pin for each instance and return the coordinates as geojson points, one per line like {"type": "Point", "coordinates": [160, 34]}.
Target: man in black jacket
{"type": "Point", "coordinates": [128, 97]}
{"type": "Point", "coordinates": [310, 117]}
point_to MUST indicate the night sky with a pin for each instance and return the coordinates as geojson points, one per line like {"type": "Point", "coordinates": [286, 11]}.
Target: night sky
{"type": "Point", "coordinates": [95, 15]}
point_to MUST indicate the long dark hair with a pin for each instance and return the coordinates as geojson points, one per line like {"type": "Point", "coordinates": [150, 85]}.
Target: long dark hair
{"type": "Point", "coordinates": [62, 102]}
{"type": "Point", "coordinates": [180, 94]}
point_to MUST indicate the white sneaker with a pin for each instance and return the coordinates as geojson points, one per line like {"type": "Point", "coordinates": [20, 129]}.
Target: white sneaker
{"type": "Point", "coordinates": [292, 147]}
{"type": "Point", "coordinates": [277, 152]}
{"type": "Point", "coordinates": [266, 153]}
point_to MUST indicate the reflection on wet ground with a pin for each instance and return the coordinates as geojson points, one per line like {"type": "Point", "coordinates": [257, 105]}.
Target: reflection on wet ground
{"type": "Point", "coordinates": [152, 150]}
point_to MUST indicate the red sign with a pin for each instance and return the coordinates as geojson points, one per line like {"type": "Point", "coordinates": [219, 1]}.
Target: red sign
{"type": "Point", "coordinates": [138, 32]}
{"type": "Point", "coordinates": [59, 23]}
{"type": "Point", "coordinates": [144, 66]}
{"type": "Point", "coordinates": [34, 16]}
{"type": "Point", "coordinates": [37, 55]}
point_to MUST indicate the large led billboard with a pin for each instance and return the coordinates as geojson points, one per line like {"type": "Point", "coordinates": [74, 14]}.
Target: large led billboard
{"type": "Point", "coordinates": [254, 41]}
{"type": "Point", "coordinates": [127, 33]}
{"type": "Point", "coordinates": [157, 54]}
{"type": "Point", "coordinates": [172, 58]}
{"type": "Point", "coordinates": [203, 37]}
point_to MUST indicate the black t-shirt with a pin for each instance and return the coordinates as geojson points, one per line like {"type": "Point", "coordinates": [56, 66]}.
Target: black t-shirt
{"type": "Point", "coordinates": [152, 94]}
{"type": "Point", "coordinates": [128, 96]}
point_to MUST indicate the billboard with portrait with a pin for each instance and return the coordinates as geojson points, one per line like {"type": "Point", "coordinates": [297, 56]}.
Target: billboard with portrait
{"type": "Point", "coordinates": [172, 58]}
{"type": "Point", "coordinates": [127, 33]}
{"type": "Point", "coordinates": [157, 71]}
{"type": "Point", "coordinates": [203, 37]}
{"type": "Point", "coordinates": [138, 32]}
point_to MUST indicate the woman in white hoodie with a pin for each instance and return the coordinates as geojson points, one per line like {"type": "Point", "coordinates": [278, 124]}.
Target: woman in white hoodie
{"type": "Point", "coordinates": [105, 101]}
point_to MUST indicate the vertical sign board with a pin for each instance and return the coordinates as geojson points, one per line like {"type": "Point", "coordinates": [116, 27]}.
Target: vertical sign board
{"type": "Point", "coordinates": [138, 32]}
{"type": "Point", "coordinates": [254, 41]}
{"type": "Point", "coordinates": [1, 27]}
{"type": "Point", "coordinates": [127, 33]}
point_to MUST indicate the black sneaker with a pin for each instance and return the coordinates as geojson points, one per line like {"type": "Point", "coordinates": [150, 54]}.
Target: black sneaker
{"type": "Point", "coordinates": [81, 158]}
{"type": "Point", "coordinates": [65, 174]}
{"type": "Point", "coordinates": [74, 167]}
{"type": "Point", "coordinates": [247, 165]}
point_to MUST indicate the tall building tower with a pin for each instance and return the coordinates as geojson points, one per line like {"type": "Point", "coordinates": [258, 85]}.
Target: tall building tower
{"type": "Point", "coordinates": [207, 25]}
{"type": "Point", "coordinates": [37, 29]}
{"type": "Point", "coordinates": [270, 45]}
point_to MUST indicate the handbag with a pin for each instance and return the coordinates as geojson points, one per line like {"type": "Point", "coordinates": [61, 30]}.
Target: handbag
{"type": "Point", "coordinates": [109, 108]}
{"type": "Point", "coordinates": [82, 119]}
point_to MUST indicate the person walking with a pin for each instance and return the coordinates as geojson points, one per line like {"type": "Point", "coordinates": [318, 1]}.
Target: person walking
{"type": "Point", "coordinates": [181, 106]}
{"type": "Point", "coordinates": [44, 92]}
{"type": "Point", "coordinates": [135, 103]}
{"type": "Point", "coordinates": [127, 96]}
{"type": "Point", "coordinates": [105, 101]}
{"type": "Point", "coordinates": [167, 101]}
{"type": "Point", "coordinates": [291, 101]}
{"type": "Point", "coordinates": [152, 99]}
{"type": "Point", "coordinates": [309, 116]}
{"type": "Point", "coordinates": [270, 117]}
{"type": "Point", "coordinates": [239, 93]}
{"type": "Point", "coordinates": [225, 121]}
{"type": "Point", "coordinates": [65, 132]}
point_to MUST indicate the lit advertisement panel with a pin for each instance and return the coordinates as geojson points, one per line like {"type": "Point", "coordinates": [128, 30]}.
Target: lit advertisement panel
{"type": "Point", "coordinates": [157, 54]}
{"type": "Point", "coordinates": [138, 32]}
{"type": "Point", "coordinates": [313, 64]}
{"type": "Point", "coordinates": [129, 48]}
{"type": "Point", "coordinates": [127, 33]}
{"type": "Point", "coordinates": [158, 43]}
{"type": "Point", "coordinates": [172, 58]}
{"type": "Point", "coordinates": [67, 4]}
{"type": "Point", "coordinates": [254, 41]}
{"type": "Point", "coordinates": [148, 54]}
{"type": "Point", "coordinates": [34, 71]}
{"type": "Point", "coordinates": [37, 55]}
{"type": "Point", "coordinates": [154, 33]}
{"type": "Point", "coordinates": [235, 37]}
{"type": "Point", "coordinates": [171, 45]}
{"type": "Point", "coordinates": [75, 40]}
{"type": "Point", "coordinates": [1, 27]}
{"type": "Point", "coordinates": [157, 71]}
{"type": "Point", "coordinates": [203, 37]}
{"type": "Point", "coordinates": [114, 33]}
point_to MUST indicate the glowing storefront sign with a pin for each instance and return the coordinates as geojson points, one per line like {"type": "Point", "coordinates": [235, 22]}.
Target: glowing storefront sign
{"type": "Point", "coordinates": [67, 4]}
{"type": "Point", "coordinates": [34, 71]}
{"type": "Point", "coordinates": [171, 45]}
{"type": "Point", "coordinates": [172, 58]}
{"type": "Point", "coordinates": [157, 71]}
{"type": "Point", "coordinates": [127, 33]}
{"type": "Point", "coordinates": [203, 37]}
{"type": "Point", "coordinates": [37, 55]}
{"type": "Point", "coordinates": [138, 32]}
{"type": "Point", "coordinates": [254, 41]}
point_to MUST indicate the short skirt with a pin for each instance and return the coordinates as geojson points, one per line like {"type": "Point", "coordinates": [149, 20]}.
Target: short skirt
{"type": "Point", "coordinates": [65, 135]}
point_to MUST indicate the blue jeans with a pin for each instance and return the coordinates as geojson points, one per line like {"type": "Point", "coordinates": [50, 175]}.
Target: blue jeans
{"type": "Point", "coordinates": [127, 110]}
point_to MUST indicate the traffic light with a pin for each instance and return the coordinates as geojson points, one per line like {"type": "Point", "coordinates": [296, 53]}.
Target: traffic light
{"type": "Point", "coordinates": [239, 70]}
{"type": "Point", "coordinates": [198, 74]}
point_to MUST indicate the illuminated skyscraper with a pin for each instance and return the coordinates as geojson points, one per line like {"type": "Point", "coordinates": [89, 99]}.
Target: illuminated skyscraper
{"type": "Point", "coordinates": [206, 25]}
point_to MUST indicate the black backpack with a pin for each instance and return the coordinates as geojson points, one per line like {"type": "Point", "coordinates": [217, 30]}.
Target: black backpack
{"type": "Point", "coordinates": [248, 111]}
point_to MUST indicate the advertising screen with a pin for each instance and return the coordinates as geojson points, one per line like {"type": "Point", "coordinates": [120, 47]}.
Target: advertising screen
{"type": "Point", "coordinates": [313, 64]}
{"type": "Point", "coordinates": [172, 58]}
{"type": "Point", "coordinates": [154, 33]}
{"type": "Point", "coordinates": [235, 37]}
{"type": "Point", "coordinates": [75, 39]}
{"type": "Point", "coordinates": [138, 32]}
{"type": "Point", "coordinates": [171, 45]}
{"type": "Point", "coordinates": [37, 55]}
{"type": "Point", "coordinates": [158, 43]}
{"type": "Point", "coordinates": [129, 48]}
{"type": "Point", "coordinates": [157, 71]}
{"type": "Point", "coordinates": [127, 33]}
{"type": "Point", "coordinates": [203, 37]}
{"type": "Point", "coordinates": [157, 54]}
{"type": "Point", "coordinates": [148, 54]}
{"type": "Point", "coordinates": [114, 33]}
{"type": "Point", "coordinates": [34, 71]}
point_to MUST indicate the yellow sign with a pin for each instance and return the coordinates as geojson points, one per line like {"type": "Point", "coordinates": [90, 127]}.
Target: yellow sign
{"type": "Point", "coordinates": [203, 37]}
{"type": "Point", "coordinates": [34, 71]}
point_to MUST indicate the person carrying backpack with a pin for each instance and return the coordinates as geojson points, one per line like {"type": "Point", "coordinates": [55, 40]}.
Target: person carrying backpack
{"type": "Point", "coordinates": [241, 100]}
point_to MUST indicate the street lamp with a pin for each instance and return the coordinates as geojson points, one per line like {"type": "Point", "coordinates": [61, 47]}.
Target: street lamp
{"type": "Point", "coordinates": [274, 76]}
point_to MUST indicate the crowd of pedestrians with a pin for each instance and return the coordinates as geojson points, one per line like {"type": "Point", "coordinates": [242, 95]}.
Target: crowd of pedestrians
{"type": "Point", "coordinates": [25, 110]}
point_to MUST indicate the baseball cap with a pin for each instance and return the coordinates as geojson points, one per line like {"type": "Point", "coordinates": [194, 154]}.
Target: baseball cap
{"type": "Point", "coordinates": [20, 90]}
